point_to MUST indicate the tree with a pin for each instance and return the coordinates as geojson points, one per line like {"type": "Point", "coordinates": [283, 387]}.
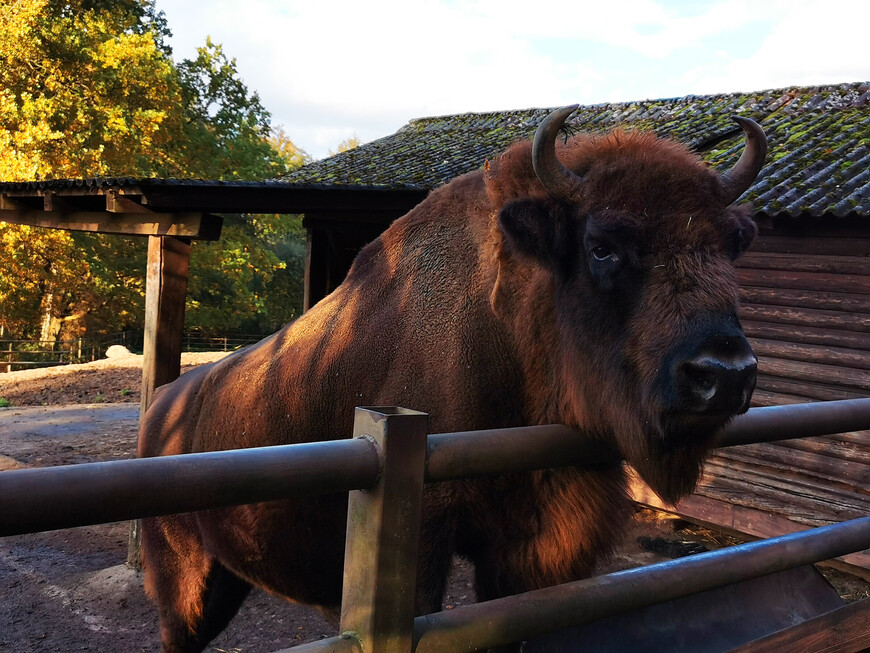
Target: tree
{"type": "Point", "coordinates": [37, 275]}
{"type": "Point", "coordinates": [293, 155]}
{"type": "Point", "coordinates": [349, 143]}
{"type": "Point", "coordinates": [251, 279]}
{"type": "Point", "coordinates": [241, 281]}
{"type": "Point", "coordinates": [227, 128]}
{"type": "Point", "coordinates": [87, 89]}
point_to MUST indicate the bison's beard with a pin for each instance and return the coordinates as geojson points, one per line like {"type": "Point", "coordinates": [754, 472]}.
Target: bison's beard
{"type": "Point", "coordinates": [668, 452]}
{"type": "Point", "coordinates": [670, 458]}
{"type": "Point", "coordinates": [671, 471]}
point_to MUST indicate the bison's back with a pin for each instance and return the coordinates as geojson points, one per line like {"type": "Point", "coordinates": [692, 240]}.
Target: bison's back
{"type": "Point", "coordinates": [412, 325]}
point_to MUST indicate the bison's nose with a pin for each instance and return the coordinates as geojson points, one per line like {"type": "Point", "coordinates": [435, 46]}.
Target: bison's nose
{"type": "Point", "coordinates": [717, 382]}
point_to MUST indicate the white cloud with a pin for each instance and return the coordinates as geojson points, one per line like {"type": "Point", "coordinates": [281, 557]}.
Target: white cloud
{"type": "Point", "coordinates": [327, 70]}
{"type": "Point", "coordinates": [812, 43]}
{"type": "Point", "coordinates": [653, 29]}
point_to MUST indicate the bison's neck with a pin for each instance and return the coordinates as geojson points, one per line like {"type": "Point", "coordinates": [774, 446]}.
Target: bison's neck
{"type": "Point", "coordinates": [523, 299]}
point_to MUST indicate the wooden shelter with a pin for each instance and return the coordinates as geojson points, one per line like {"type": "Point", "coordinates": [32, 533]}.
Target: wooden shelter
{"type": "Point", "coordinates": [173, 212]}
{"type": "Point", "coordinates": [805, 284]}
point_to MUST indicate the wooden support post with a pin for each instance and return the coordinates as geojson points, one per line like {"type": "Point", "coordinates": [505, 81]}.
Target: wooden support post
{"type": "Point", "coordinates": [316, 268]}
{"type": "Point", "coordinates": [165, 294]}
{"type": "Point", "coordinates": [383, 531]}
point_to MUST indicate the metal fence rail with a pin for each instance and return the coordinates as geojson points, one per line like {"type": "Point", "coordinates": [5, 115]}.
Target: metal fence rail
{"type": "Point", "coordinates": [513, 619]}
{"type": "Point", "coordinates": [395, 456]}
{"type": "Point", "coordinates": [517, 618]}
{"type": "Point", "coordinates": [49, 498]}
{"type": "Point", "coordinates": [28, 354]}
{"type": "Point", "coordinates": [126, 489]}
{"type": "Point", "coordinates": [195, 341]}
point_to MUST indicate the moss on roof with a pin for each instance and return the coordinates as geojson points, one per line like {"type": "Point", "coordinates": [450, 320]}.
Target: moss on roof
{"type": "Point", "coordinates": [819, 160]}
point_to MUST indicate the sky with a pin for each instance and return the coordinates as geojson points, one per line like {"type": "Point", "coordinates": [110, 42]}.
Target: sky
{"type": "Point", "coordinates": [328, 70]}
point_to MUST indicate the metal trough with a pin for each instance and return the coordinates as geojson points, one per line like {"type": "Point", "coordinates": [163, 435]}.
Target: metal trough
{"type": "Point", "coordinates": [708, 622]}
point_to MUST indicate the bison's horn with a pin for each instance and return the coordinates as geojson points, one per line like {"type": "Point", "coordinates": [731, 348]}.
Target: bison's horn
{"type": "Point", "coordinates": [556, 178]}
{"type": "Point", "coordinates": [737, 181]}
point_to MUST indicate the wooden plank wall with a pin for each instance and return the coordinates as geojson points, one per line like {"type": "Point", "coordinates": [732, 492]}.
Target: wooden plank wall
{"type": "Point", "coordinates": [805, 306]}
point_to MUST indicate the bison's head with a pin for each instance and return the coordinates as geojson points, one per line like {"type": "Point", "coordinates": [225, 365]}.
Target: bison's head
{"type": "Point", "coordinates": [620, 258]}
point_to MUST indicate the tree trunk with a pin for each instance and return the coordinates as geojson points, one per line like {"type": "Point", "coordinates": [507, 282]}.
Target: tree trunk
{"type": "Point", "coordinates": [50, 327]}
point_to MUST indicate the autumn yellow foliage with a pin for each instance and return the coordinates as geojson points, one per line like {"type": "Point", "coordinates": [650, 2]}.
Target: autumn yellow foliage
{"type": "Point", "coordinates": [84, 93]}
{"type": "Point", "coordinates": [90, 89]}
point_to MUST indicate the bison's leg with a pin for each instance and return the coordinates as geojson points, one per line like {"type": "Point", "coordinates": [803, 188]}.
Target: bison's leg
{"type": "Point", "coordinates": [225, 593]}
{"type": "Point", "coordinates": [196, 596]}
{"type": "Point", "coordinates": [434, 564]}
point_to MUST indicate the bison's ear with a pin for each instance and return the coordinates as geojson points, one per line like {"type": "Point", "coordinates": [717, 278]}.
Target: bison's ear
{"type": "Point", "coordinates": [741, 235]}
{"type": "Point", "coordinates": [538, 231]}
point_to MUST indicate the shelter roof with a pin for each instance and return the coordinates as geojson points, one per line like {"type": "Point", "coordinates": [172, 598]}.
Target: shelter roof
{"type": "Point", "coordinates": [818, 163]}
{"type": "Point", "coordinates": [183, 207]}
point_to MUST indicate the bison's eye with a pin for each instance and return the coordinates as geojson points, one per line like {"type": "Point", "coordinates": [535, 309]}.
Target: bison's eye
{"type": "Point", "coordinates": [602, 253]}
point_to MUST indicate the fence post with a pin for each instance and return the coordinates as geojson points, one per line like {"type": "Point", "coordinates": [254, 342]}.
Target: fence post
{"type": "Point", "coordinates": [383, 529]}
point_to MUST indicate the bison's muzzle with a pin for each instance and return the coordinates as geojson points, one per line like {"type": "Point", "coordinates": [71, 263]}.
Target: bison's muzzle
{"type": "Point", "coordinates": [713, 375]}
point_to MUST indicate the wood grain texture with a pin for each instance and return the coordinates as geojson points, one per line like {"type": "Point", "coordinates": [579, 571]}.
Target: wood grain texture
{"type": "Point", "coordinates": [188, 225]}
{"type": "Point", "coordinates": [165, 294]}
{"type": "Point", "coordinates": [844, 630]}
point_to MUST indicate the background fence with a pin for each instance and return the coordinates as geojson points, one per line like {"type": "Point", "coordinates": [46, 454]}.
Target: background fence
{"type": "Point", "coordinates": [28, 354]}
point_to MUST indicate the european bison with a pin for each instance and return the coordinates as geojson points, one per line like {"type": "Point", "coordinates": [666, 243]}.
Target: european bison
{"type": "Point", "coordinates": [594, 288]}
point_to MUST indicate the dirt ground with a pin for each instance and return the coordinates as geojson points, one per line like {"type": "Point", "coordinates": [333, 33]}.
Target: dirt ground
{"type": "Point", "coordinates": [70, 590]}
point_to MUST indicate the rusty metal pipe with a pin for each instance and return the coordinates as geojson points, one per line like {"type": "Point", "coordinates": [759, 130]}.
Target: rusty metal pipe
{"type": "Point", "coordinates": [481, 453]}
{"type": "Point", "coordinates": [468, 454]}
{"type": "Point", "coordinates": [33, 500]}
{"type": "Point", "coordinates": [773, 423]}
{"type": "Point", "coordinates": [513, 619]}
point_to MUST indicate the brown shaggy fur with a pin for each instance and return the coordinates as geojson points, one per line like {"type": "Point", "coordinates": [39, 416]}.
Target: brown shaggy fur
{"type": "Point", "coordinates": [482, 308]}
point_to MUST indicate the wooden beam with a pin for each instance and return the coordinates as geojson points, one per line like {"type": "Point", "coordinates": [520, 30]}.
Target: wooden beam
{"type": "Point", "coordinates": [117, 203]}
{"type": "Point", "coordinates": [200, 226]}
{"type": "Point", "coordinates": [245, 197]}
{"type": "Point", "coordinates": [52, 203]}
{"type": "Point", "coordinates": [11, 204]}
{"type": "Point", "coordinates": [316, 284]}
{"type": "Point", "coordinates": [165, 294]}
{"type": "Point", "coordinates": [383, 533]}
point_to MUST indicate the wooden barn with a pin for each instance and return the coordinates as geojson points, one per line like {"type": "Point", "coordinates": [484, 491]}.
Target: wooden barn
{"type": "Point", "coordinates": [805, 282]}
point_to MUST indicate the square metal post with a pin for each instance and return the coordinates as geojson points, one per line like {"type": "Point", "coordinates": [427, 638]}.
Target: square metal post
{"type": "Point", "coordinates": [383, 530]}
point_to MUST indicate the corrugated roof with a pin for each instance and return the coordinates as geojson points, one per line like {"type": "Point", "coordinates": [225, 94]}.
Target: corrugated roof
{"type": "Point", "coordinates": [819, 159]}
